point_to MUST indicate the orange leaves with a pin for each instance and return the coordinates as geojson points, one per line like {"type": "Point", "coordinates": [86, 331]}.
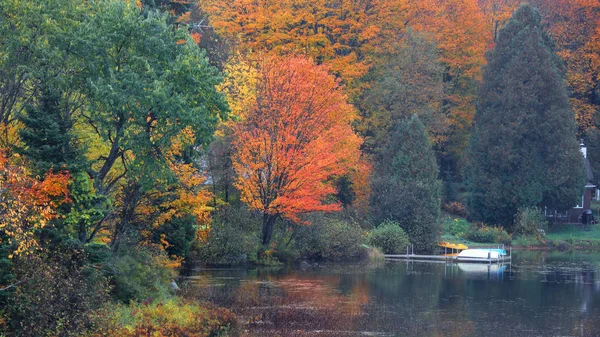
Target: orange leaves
{"type": "Point", "coordinates": [294, 139]}
{"type": "Point", "coordinates": [575, 26]}
{"type": "Point", "coordinates": [27, 204]}
{"type": "Point", "coordinates": [327, 31]}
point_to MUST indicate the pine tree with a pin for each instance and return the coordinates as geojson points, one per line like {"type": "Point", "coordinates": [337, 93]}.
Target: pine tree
{"type": "Point", "coordinates": [523, 150]}
{"type": "Point", "coordinates": [47, 138]}
{"type": "Point", "coordinates": [406, 188]}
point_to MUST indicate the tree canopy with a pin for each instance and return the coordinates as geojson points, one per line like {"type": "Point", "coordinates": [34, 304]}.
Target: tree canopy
{"type": "Point", "coordinates": [523, 150]}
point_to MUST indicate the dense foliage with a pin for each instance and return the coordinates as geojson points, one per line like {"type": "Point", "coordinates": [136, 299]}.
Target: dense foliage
{"type": "Point", "coordinates": [140, 136]}
{"type": "Point", "coordinates": [389, 237]}
{"type": "Point", "coordinates": [523, 149]}
{"type": "Point", "coordinates": [295, 138]}
{"type": "Point", "coordinates": [406, 188]}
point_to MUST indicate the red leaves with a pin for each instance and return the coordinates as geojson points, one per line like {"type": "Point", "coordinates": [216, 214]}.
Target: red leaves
{"type": "Point", "coordinates": [296, 137]}
{"type": "Point", "coordinates": [27, 203]}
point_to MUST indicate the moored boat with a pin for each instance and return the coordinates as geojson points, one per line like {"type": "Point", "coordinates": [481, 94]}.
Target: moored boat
{"type": "Point", "coordinates": [484, 254]}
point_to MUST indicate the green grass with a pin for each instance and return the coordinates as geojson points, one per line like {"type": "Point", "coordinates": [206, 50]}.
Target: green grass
{"type": "Point", "coordinates": [574, 233]}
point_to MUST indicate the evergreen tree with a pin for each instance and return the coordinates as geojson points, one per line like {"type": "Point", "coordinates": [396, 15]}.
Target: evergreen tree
{"type": "Point", "coordinates": [406, 188]}
{"type": "Point", "coordinates": [523, 150]}
{"type": "Point", "coordinates": [47, 137]}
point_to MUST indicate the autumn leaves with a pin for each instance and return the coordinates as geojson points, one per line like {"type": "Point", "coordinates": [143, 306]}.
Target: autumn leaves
{"type": "Point", "coordinates": [296, 138]}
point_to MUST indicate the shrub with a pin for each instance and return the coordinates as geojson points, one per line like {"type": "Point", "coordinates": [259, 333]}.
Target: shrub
{"type": "Point", "coordinates": [179, 233]}
{"type": "Point", "coordinates": [172, 317]}
{"type": "Point", "coordinates": [530, 221]}
{"type": "Point", "coordinates": [329, 237]}
{"type": "Point", "coordinates": [389, 237]}
{"type": "Point", "coordinates": [234, 238]}
{"type": "Point", "coordinates": [59, 295]}
{"type": "Point", "coordinates": [139, 273]}
{"type": "Point", "coordinates": [487, 234]}
{"type": "Point", "coordinates": [459, 227]}
{"type": "Point", "coordinates": [455, 208]}
{"type": "Point", "coordinates": [375, 255]}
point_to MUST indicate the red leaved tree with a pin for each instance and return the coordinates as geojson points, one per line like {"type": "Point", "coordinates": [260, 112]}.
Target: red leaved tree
{"type": "Point", "coordinates": [296, 138]}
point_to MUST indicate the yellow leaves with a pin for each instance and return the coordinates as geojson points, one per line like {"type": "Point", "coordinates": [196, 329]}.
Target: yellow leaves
{"type": "Point", "coordinates": [240, 85]}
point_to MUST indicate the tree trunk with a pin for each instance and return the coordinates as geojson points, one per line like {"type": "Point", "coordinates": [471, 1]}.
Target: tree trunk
{"type": "Point", "coordinates": [267, 229]}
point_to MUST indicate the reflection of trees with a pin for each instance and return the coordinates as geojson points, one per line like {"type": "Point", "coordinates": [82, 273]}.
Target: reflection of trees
{"type": "Point", "coordinates": [544, 294]}
{"type": "Point", "coordinates": [277, 304]}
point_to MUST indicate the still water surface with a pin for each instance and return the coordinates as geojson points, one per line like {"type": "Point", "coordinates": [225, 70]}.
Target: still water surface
{"type": "Point", "coordinates": [539, 294]}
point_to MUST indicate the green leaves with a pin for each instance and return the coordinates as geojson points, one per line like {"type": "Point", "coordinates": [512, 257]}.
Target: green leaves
{"type": "Point", "coordinates": [406, 188]}
{"type": "Point", "coordinates": [523, 150]}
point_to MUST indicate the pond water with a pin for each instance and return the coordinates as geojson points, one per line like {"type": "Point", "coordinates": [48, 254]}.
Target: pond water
{"type": "Point", "coordinates": [539, 294]}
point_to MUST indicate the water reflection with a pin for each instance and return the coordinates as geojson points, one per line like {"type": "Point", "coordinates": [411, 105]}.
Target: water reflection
{"type": "Point", "coordinates": [539, 294]}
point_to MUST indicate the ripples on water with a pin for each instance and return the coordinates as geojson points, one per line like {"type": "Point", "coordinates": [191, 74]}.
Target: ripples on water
{"type": "Point", "coordinates": [540, 294]}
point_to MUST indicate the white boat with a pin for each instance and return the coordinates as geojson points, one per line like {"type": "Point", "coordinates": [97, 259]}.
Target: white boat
{"type": "Point", "coordinates": [484, 254]}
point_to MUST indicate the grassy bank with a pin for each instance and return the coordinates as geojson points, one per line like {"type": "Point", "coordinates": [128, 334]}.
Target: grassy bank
{"type": "Point", "coordinates": [568, 236]}
{"type": "Point", "coordinates": [560, 236]}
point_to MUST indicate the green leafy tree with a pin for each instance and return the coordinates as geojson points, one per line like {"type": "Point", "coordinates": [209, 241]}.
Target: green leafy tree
{"type": "Point", "coordinates": [148, 84]}
{"type": "Point", "coordinates": [406, 188]}
{"type": "Point", "coordinates": [523, 151]}
{"type": "Point", "coordinates": [410, 83]}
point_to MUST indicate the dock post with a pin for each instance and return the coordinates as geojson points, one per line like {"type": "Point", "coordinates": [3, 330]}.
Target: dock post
{"type": "Point", "coordinates": [407, 251]}
{"type": "Point", "coordinates": [510, 249]}
{"type": "Point", "coordinates": [412, 249]}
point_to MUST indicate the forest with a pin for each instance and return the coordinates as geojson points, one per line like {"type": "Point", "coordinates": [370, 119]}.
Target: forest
{"type": "Point", "coordinates": [139, 139]}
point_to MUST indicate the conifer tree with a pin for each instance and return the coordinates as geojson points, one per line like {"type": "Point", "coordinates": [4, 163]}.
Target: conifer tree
{"type": "Point", "coordinates": [523, 150]}
{"type": "Point", "coordinates": [47, 138]}
{"type": "Point", "coordinates": [406, 188]}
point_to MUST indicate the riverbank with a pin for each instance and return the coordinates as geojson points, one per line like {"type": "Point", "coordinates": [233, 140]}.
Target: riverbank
{"type": "Point", "coordinates": [558, 237]}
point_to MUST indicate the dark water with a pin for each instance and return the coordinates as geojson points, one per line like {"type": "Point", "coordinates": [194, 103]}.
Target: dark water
{"type": "Point", "coordinates": [539, 294]}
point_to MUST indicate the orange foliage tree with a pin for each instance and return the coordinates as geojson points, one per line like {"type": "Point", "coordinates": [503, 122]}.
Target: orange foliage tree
{"type": "Point", "coordinates": [295, 139]}
{"type": "Point", "coordinates": [27, 204]}
{"type": "Point", "coordinates": [342, 33]}
{"type": "Point", "coordinates": [575, 27]}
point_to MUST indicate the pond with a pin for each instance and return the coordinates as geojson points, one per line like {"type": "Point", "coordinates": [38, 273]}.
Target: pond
{"type": "Point", "coordinates": [539, 294]}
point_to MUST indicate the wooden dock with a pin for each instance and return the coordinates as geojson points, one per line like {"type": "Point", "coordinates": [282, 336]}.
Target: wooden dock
{"type": "Point", "coordinates": [446, 258]}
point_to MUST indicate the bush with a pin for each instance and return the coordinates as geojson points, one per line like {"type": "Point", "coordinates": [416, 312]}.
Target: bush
{"type": "Point", "coordinates": [172, 317]}
{"type": "Point", "coordinates": [234, 238]}
{"type": "Point", "coordinates": [487, 234]}
{"type": "Point", "coordinates": [455, 208]}
{"type": "Point", "coordinates": [139, 273]}
{"type": "Point", "coordinates": [530, 221]}
{"type": "Point", "coordinates": [459, 228]}
{"type": "Point", "coordinates": [179, 233]}
{"type": "Point", "coordinates": [389, 237]}
{"type": "Point", "coordinates": [329, 237]}
{"type": "Point", "coordinates": [59, 295]}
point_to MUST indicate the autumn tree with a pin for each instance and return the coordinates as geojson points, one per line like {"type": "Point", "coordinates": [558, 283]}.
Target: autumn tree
{"type": "Point", "coordinates": [406, 188]}
{"type": "Point", "coordinates": [523, 150]}
{"type": "Point", "coordinates": [342, 34]}
{"type": "Point", "coordinates": [575, 27]}
{"type": "Point", "coordinates": [294, 140]}
{"type": "Point", "coordinates": [27, 204]}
